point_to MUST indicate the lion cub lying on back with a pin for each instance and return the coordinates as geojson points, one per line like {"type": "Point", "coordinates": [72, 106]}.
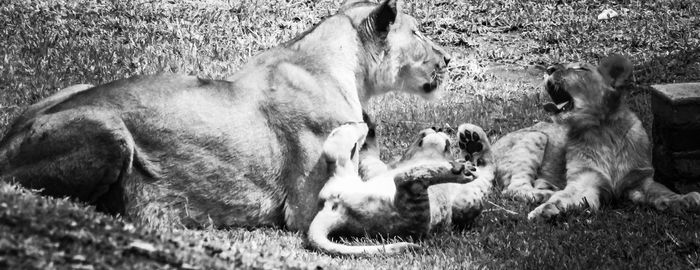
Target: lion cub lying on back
{"type": "Point", "coordinates": [401, 199]}
{"type": "Point", "coordinates": [595, 150]}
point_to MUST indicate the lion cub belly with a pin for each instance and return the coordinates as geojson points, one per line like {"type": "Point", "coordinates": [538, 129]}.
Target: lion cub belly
{"type": "Point", "coordinates": [369, 204]}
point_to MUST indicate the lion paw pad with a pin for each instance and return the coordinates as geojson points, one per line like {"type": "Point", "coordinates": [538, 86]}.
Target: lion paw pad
{"type": "Point", "coordinates": [472, 142]}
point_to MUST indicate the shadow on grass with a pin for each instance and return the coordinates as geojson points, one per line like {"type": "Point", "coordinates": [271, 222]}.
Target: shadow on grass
{"type": "Point", "coordinates": [619, 236]}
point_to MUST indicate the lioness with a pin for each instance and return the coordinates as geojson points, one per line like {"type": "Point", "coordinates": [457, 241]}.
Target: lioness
{"type": "Point", "coordinates": [424, 191]}
{"type": "Point", "coordinates": [595, 150]}
{"type": "Point", "coordinates": [172, 149]}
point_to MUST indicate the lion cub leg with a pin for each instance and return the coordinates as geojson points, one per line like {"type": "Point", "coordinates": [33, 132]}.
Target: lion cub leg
{"type": "Point", "coordinates": [343, 140]}
{"type": "Point", "coordinates": [585, 187]}
{"type": "Point", "coordinates": [467, 200]}
{"type": "Point", "coordinates": [473, 144]}
{"type": "Point", "coordinates": [648, 191]}
{"type": "Point", "coordinates": [411, 199]}
{"type": "Point", "coordinates": [520, 166]}
{"type": "Point", "coordinates": [370, 163]}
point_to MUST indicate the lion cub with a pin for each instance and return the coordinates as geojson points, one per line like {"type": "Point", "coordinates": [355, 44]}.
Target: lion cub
{"type": "Point", "coordinates": [423, 191]}
{"type": "Point", "coordinates": [595, 150]}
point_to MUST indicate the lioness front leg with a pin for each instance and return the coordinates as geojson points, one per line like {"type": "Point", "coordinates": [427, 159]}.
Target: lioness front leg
{"type": "Point", "coordinates": [411, 199]}
{"type": "Point", "coordinates": [584, 187]}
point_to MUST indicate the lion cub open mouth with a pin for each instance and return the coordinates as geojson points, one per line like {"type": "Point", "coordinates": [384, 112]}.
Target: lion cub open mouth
{"type": "Point", "coordinates": [561, 100]}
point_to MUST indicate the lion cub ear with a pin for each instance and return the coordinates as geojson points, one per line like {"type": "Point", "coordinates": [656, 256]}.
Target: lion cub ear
{"type": "Point", "coordinates": [383, 16]}
{"type": "Point", "coordinates": [616, 69]}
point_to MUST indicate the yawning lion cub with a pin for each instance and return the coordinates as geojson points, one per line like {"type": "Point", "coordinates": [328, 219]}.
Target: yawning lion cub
{"type": "Point", "coordinates": [595, 150]}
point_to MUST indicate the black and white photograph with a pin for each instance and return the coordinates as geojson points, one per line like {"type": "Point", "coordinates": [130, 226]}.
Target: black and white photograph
{"type": "Point", "coordinates": [349, 134]}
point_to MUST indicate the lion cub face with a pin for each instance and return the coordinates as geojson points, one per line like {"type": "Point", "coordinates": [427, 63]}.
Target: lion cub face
{"type": "Point", "coordinates": [431, 144]}
{"type": "Point", "coordinates": [584, 88]}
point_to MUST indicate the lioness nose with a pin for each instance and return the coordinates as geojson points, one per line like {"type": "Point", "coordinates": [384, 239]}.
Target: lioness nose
{"type": "Point", "coordinates": [447, 59]}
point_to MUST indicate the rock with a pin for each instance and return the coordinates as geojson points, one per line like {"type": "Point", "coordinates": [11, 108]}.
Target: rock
{"type": "Point", "coordinates": [677, 105]}
{"type": "Point", "coordinates": [142, 246]}
{"type": "Point", "coordinates": [607, 14]}
{"type": "Point", "coordinates": [676, 129]}
{"type": "Point", "coordinates": [79, 258]}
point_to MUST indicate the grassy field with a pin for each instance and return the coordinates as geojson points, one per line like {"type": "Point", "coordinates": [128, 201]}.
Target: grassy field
{"type": "Point", "coordinates": [499, 49]}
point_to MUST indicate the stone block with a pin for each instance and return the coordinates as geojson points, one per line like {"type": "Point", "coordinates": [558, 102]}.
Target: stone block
{"type": "Point", "coordinates": [676, 139]}
{"type": "Point", "coordinates": [677, 164]}
{"type": "Point", "coordinates": [676, 133]}
{"type": "Point", "coordinates": [677, 105]}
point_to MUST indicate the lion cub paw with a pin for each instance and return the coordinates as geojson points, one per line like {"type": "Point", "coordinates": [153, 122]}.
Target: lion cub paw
{"type": "Point", "coordinates": [690, 202]}
{"type": "Point", "coordinates": [342, 144]}
{"type": "Point", "coordinates": [466, 170]}
{"type": "Point", "coordinates": [544, 211]}
{"type": "Point", "coordinates": [473, 143]}
{"type": "Point", "coordinates": [528, 194]}
{"type": "Point", "coordinates": [693, 201]}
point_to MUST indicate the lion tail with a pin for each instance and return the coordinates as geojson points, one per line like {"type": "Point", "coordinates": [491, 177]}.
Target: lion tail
{"type": "Point", "coordinates": [328, 220]}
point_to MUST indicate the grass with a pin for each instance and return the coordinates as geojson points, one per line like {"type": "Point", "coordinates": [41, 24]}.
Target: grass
{"type": "Point", "coordinates": [499, 49]}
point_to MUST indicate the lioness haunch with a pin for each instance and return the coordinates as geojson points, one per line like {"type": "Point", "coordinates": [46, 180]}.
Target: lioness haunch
{"type": "Point", "coordinates": [172, 149]}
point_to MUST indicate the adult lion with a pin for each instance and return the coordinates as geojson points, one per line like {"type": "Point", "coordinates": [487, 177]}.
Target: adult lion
{"type": "Point", "coordinates": [596, 149]}
{"type": "Point", "coordinates": [243, 152]}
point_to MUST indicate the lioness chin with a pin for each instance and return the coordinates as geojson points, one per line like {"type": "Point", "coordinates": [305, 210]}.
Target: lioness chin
{"type": "Point", "coordinates": [172, 149]}
{"type": "Point", "coordinates": [596, 149]}
{"type": "Point", "coordinates": [426, 190]}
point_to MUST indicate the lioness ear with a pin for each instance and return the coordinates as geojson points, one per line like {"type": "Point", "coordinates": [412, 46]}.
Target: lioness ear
{"type": "Point", "coordinates": [616, 69]}
{"type": "Point", "coordinates": [383, 17]}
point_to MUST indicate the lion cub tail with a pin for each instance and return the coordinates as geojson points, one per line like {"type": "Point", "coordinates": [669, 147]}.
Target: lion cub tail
{"type": "Point", "coordinates": [329, 219]}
